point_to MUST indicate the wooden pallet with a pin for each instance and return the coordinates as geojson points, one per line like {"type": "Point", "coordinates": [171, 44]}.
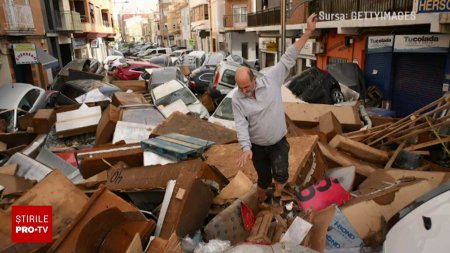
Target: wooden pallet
{"type": "Point", "coordinates": [176, 146]}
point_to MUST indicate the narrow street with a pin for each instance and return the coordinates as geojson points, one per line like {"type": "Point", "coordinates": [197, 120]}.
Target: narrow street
{"type": "Point", "coordinates": [209, 126]}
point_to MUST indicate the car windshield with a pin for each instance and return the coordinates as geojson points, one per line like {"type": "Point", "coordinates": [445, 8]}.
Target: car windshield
{"type": "Point", "coordinates": [176, 54]}
{"type": "Point", "coordinates": [184, 94]}
{"type": "Point", "coordinates": [161, 61]}
{"type": "Point", "coordinates": [163, 76]}
{"type": "Point", "coordinates": [225, 110]}
{"type": "Point", "coordinates": [213, 59]}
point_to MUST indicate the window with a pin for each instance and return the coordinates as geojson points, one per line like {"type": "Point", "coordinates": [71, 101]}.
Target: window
{"type": "Point", "coordinates": [239, 14]}
{"type": "Point", "coordinates": [228, 77]}
{"type": "Point", "coordinates": [332, 60]}
{"type": "Point", "coordinates": [99, 15]}
{"type": "Point", "coordinates": [91, 12]}
{"type": "Point", "coordinates": [140, 69]}
{"type": "Point", "coordinates": [225, 110]}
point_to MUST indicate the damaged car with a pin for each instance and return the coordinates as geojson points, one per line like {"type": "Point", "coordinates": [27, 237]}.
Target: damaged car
{"type": "Point", "coordinates": [18, 99]}
{"type": "Point", "coordinates": [172, 92]}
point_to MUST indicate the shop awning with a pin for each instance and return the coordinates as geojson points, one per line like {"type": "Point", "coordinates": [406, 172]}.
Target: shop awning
{"type": "Point", "coordinates": [46, 59]}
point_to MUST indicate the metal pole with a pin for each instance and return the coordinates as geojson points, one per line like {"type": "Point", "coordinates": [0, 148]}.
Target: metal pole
{"type": "Point", "coordinates": [210, 27]}
{"type": "Point", "coordinates": [283, 29]}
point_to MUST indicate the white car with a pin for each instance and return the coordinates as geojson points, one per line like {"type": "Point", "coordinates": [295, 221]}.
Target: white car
{"type": "Point", "coordinates": [177, 96]}
{"type": "Point", "coordinates": [112, 61]}
{"type": "Point", "coordinates": [223, 115]}
{"type": "Point", "coordinates": [17, 99]}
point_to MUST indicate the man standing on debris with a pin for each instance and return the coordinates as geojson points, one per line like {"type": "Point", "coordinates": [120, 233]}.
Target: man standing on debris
{"type": "Point", "coordinates": [260, 121]}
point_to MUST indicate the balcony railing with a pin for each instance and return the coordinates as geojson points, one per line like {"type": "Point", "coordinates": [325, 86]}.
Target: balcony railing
{"type": "Point", "coordinates": [264, 17]}
{"type": "Point", "coordinates": [68, 21]}
{"type": "Point", "coordinates": [376, 7]}
{"type": "Point", "coordinates": [18, 18]}
{"type": "Point", "coordinates": [84, 19]}
{"type": "Point", "coordinates": [235, 21]}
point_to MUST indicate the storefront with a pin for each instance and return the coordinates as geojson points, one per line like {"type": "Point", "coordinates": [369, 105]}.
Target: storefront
{"type": "Point", "coordinates": [268, 52]}
{"type": "Point", "coordinates": [342, 48]}
{"type": "Point", "coordinates": [419, 71]}
{"type": "Point", "coordinates": [410, 70]}
{"type": "Point", "coordinates": [307, 56]}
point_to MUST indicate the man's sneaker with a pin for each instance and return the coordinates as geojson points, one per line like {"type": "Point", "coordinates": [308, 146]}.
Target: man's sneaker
{"type": "Point", "coordinates": [276, 201]}
{"type": "Point", "coordinates": [266, 204]}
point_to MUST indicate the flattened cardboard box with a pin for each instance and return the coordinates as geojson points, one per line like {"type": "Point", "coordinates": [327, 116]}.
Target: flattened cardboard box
{"type": "Point", "coordinates": [107, 125]}
{"type": "Point", "coordinates": [223, 157]}
{"type": "Point", "coordinates": [43, 120]}
{"type": "Point", "coordinates": [91, 161]}
{"type": "Point", "coordinates": [123, 98]}
{"type": "Point", "coordinates": [54, 190]}
{"type": "Point", "coordinates": [308, 115]}
{"type": "Point", "coordinates": [187, 212]}
{"type": "Point", "coordinates": [101, 201]}
{"type": "Point", "coordinates": [134, 85]}
{"type": "Point", "coordinates": [191, 126]}
{"type": "Point", "coordinates": [157, 176]}
{"type": "Point", "coordinates": [385, 193]}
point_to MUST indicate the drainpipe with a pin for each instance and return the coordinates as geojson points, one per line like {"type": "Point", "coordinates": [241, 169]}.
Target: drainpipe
{"type": "Point", "coordinates": [283, 29]}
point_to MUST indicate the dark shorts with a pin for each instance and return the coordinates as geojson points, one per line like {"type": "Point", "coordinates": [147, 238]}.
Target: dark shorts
{"type": "Point", "coordinates": [271, 162]}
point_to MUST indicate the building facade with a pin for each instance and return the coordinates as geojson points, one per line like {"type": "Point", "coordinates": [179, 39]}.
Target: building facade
{"type": "Point", "coordinates": [22, 34]}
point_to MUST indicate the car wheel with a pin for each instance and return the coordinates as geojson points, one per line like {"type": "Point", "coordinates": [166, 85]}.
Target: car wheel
{"type": "Point", "coordinates": [336, 96]}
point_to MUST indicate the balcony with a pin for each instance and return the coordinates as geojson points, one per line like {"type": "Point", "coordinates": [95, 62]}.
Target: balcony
{"type": "Point", "coordinates": [68, 21]}
{"type": "Point", "coordinates": [265, 17]}
{"type": "Point", "coordinates": [84, 19]}
{"type": "Point", "coordinates": [374, 6]}
{"type": "Point", "coordinates": [18, 18]}
{"type": "Point", "coordinates": [235, 22]}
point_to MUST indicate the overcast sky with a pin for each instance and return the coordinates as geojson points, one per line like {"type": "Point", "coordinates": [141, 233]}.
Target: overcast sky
{"type": "Point", "coordinates": [135, 6]}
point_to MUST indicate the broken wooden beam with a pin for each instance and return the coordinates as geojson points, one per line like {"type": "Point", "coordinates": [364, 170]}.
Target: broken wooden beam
{"type": "Point", "coordinates": [343, 160]}
{"type": "Point", "coordinates": [359, 149]}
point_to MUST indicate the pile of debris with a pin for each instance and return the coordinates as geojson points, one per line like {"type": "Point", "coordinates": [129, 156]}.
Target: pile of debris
{"type": "Point", "coordinates": [123, 177]}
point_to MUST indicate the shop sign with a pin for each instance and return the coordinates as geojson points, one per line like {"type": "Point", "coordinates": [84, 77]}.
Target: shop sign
{"type": "Point", "coordinates": [380, 44]}
{"type": "Point", "coordinates": [429, 43]}
{"type": "Point", "coordinates": [25, 53]}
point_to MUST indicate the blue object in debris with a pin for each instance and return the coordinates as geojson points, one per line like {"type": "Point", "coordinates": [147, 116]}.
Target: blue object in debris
{"type": "Point", "coordinates": [176, 146]}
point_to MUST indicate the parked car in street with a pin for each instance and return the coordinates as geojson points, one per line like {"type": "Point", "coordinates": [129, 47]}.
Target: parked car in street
{"type": "Point", "coordinates": [200, 78]}
{"type": "Point", "coordinates": [154, 51]}
{"type": "Point", "coordinates": [162, 60]}
{"type": "Point", "coordinates": [111, 58]}
{"type": "Point", "coordinates": [85, 64]}
{"type": "Point", "coordinates": [76, 88]}
{"type": "Point", "coordinates": [18, 99]}
{"type": "Point", "coordinates": [177, 54]}
{"type": "Point", "coordinates": [158, 76]}
{"type": "Point", "coordinates": [316, 86]}
{"type": "Point", "coordinates": [174, 90]}
{"type": "Point", "coordinates": [223, 115]}
{"type": "Point", "coordinates": [224, 81]}
{"type": "Point", "coordinates": [131, 70]}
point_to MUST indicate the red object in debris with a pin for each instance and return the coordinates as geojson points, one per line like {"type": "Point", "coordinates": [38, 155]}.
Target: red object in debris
{"type": "Point", "coordinates": [325, 193]}
{"type": "Point", "coordinates": [69, 157]}
{"type": "Point", "coordinates": [247, 216]}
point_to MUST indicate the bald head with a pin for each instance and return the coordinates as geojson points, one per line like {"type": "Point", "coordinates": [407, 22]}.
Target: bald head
{"type": "Point", "coordinates": [245, 80]}
{"type": "Point", "coordinates": [242, 75]}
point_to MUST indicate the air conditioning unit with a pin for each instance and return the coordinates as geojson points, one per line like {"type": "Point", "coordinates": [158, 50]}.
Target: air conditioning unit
{"type": "Point", "coordinates": [319, 48]}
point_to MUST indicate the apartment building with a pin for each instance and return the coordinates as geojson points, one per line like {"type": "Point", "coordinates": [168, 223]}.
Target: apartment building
{"type": "Point", "coordinates": [234, 38]}
{"type": "Point", "coordinates": [97, 28]}
{"type": "Point", "coordinates": [23, 44]}
{"type": "Point", "coordinates": [200, 24]}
